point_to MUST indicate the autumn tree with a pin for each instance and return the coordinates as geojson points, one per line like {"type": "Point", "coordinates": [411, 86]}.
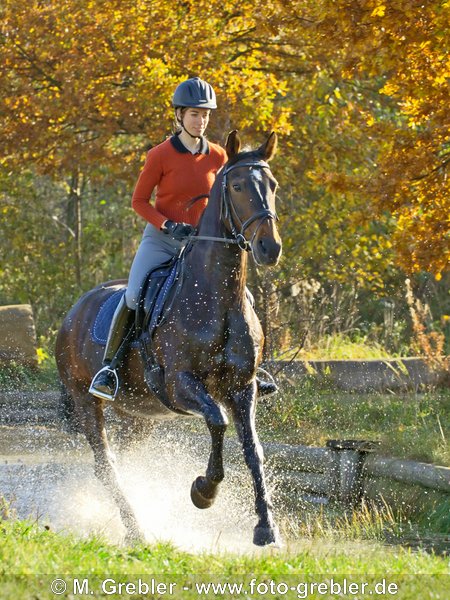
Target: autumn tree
{"type": "Point", "coordinates": [386, 65]}
{"type": "Point", "coordinates": [86, 87]}
{"type": "Point", "coordinates": [357, 91]}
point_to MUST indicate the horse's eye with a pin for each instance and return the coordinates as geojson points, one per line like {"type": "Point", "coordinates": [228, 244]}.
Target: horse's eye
{"type": "Point", "coordinates": [236, 187]}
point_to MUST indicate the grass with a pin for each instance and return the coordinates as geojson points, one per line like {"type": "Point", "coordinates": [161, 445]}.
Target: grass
{"type": "Point", "coordinates": [425, 525]}
{"type": "Point", "coordinates": [338, 346]}
{"type": "Point", "coordinates": [341, 347]}
{"type": "Point", "coordinates": [408, 425]}
{"type": "Point", "coordinates": [32, 556]}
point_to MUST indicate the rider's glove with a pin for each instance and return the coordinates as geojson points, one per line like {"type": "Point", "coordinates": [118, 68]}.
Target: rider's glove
{"type": "Point", "coordinates": [179, 231]}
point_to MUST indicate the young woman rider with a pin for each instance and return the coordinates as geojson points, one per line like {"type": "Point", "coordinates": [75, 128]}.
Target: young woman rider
{"type": "Point", "coordinates": [181, 168]}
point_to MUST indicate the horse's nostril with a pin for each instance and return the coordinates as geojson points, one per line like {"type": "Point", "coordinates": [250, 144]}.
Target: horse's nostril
{"type": "Point", "coordinates": [263, 246]}
{"type": "Point", "coordinates": [268, 251]}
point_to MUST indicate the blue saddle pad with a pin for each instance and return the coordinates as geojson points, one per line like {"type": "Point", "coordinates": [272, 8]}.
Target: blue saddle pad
{"type": "Point", "coordinates": [102, 323]}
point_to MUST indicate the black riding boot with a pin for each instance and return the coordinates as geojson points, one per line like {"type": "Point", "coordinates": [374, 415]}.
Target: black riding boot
{"type": "Point", "coordinates": [105, 383]}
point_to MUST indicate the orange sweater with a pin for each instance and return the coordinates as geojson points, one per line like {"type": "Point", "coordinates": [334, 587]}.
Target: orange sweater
{"type": "Point", "coordinates": [178, 176]}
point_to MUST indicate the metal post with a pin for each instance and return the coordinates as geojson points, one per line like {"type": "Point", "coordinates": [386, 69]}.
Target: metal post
{"type": "Point", "coordinates": [347, 468]}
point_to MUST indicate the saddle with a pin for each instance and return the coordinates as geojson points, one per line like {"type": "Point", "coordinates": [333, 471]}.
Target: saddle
{"type": "Point", "coordinates": [159, 284]}
{"type": "Point", "coordinates": [154, 303]}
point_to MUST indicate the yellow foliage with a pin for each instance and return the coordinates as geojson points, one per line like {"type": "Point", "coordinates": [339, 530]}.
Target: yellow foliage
{"type": "Point", "coordinates": [379, 11]}
{"type": "Point", "coordinates": [42, 355]}
{"type": "Point", "coordinates": [358, 92]}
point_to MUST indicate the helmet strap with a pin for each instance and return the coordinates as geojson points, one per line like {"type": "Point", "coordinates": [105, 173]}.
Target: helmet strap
{"type": "Point", "coordinates": [195, 137]}
{"type": "Point", "coordinates": [180, 121]}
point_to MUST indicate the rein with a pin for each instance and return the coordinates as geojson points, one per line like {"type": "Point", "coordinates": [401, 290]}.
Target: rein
{"type": "Point", "coordinates": [227, 208]}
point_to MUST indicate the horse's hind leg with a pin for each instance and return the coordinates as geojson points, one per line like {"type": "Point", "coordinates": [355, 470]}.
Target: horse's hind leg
{"type": "Point", "coordinates": [192, 396]}
{"type": "Point", "coordinates": [93, 424]}
{"type": "Point", "coordinates": [244, 408]}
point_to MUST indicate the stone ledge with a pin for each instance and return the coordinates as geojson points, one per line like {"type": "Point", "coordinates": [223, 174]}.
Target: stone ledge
{"type": "Point", "coordinates": [364, 375]}
{"type": "Point", "coordinates": [17, 335]}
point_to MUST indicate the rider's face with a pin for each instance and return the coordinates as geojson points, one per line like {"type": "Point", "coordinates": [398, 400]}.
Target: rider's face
{"type": "Point", "coordinates": [196, 120]}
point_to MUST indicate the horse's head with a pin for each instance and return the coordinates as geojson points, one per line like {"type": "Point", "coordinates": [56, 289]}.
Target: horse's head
{"type": "Point", "coordinates": [248, 199]}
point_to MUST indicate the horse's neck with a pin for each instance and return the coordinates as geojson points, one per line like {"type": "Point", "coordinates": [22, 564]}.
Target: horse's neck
{"type": "Point", "coordinates": [225, 265]}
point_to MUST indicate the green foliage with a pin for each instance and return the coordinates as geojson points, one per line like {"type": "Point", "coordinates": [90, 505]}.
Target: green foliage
{"type": "Point", "coordinates": [38, 238]}
{"type": "Point", "coordinates": [409, 425]}
{"type": "Point", "coordinates": [341, 347]}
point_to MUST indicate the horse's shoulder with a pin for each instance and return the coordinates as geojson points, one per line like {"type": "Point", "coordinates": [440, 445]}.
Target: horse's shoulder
{"type": "Point", "coordinates": [243, 327]}
{"type": "Point", "coordinates": [245, 318]}
{"type": "Point", "coordinates": [244, 341]}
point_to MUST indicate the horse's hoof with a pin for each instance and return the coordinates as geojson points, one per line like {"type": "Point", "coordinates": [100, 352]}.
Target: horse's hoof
{"type": "Point", "coordinates": [203, 493]}
{"type": "Point", "coordinates": [263, 536]}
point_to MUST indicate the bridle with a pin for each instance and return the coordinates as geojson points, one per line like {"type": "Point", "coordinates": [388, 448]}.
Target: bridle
{"type": "Point", "coordinates": [228, 209]}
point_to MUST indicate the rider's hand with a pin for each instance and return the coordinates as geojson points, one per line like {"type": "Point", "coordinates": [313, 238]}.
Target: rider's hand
{"type": "Point", "coordinates": [179, 231]}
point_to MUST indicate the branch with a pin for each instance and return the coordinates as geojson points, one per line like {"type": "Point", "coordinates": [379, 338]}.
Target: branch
{"type": "Point", "coordinates": [37, 68]}
{"type": "Point", "coordinates": [442, 165]}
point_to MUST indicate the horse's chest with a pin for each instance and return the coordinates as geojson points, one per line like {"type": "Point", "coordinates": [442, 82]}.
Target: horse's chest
{"type": "Point", "coordinates": [243, 341]}
{"type": "Point", "coordinates": [218, 344]}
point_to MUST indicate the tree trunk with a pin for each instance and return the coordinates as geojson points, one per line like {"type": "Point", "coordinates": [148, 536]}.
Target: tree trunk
{"type": "Point", "coordinates": [74, 218]}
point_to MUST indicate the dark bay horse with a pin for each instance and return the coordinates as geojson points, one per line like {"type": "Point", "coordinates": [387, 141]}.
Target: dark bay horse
{"type": "Point", "coordinates": [210, 344]}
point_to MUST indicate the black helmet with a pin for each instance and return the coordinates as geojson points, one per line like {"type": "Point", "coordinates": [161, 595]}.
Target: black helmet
{"type": "Point", "coordinates": [194, 93]}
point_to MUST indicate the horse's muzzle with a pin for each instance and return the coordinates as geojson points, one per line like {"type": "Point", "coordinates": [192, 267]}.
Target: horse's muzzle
{"type": "Point", "coordinates": [266, 251]}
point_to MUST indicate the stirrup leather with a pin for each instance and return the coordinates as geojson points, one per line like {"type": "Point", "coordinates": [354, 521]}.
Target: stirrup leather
{"type": "Point", "coordinates": [104, 395]}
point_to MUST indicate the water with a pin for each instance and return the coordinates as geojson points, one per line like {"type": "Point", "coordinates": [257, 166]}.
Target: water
{"type": "Point", "coordinates": [47, 475]}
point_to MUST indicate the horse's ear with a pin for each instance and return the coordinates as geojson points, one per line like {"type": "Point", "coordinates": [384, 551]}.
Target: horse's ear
{"type": "Point", "coordinates": [233, 144]}
{"type": "Point", "coordinates": [269, 149]}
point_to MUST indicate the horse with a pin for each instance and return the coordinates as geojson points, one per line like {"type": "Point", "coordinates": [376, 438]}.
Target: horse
{"type": "Point", "coordinates": [209, 344]}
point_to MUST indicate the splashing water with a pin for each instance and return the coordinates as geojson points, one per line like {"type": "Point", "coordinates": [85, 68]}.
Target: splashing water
{"type": "Point", "coordinates": [60, 489]}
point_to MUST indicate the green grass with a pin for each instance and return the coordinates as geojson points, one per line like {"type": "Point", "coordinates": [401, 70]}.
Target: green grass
{"type": "Point", "coordinates": [341, 347]}
{"type": "Point", "coordinates": [31, 557]}
{"type": "Point", "coordinates": [408, 425]}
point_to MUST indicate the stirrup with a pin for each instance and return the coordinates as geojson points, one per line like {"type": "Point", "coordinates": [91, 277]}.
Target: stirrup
{"type": "Point", "coordinates": [105, 395]}
{"type": "Point", "coordinates": [266, 378]}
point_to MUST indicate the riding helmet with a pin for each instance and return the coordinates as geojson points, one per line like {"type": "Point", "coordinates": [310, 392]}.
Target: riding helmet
{"type": "Point", "coordinates": [194, 93]}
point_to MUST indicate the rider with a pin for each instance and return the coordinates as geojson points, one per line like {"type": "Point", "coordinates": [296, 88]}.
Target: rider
{"type": "Point", "coordinates": [181, 168]}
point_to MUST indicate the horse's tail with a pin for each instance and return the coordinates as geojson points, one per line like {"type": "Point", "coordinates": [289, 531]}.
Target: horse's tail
{"type": "Point", "coordinates": [66, 411]}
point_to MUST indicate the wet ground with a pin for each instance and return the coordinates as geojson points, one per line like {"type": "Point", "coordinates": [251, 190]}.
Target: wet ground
{"type": "Point", "coordinates": [47, 475]}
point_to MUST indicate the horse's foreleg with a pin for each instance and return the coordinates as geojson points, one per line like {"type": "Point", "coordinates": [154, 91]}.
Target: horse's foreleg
{"type": "Point", "coordinates": [244, 408]}
{"type": "Point", "coordinates": [93, 422]}
{"type": "Point", "coordinates": [192, 396]}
